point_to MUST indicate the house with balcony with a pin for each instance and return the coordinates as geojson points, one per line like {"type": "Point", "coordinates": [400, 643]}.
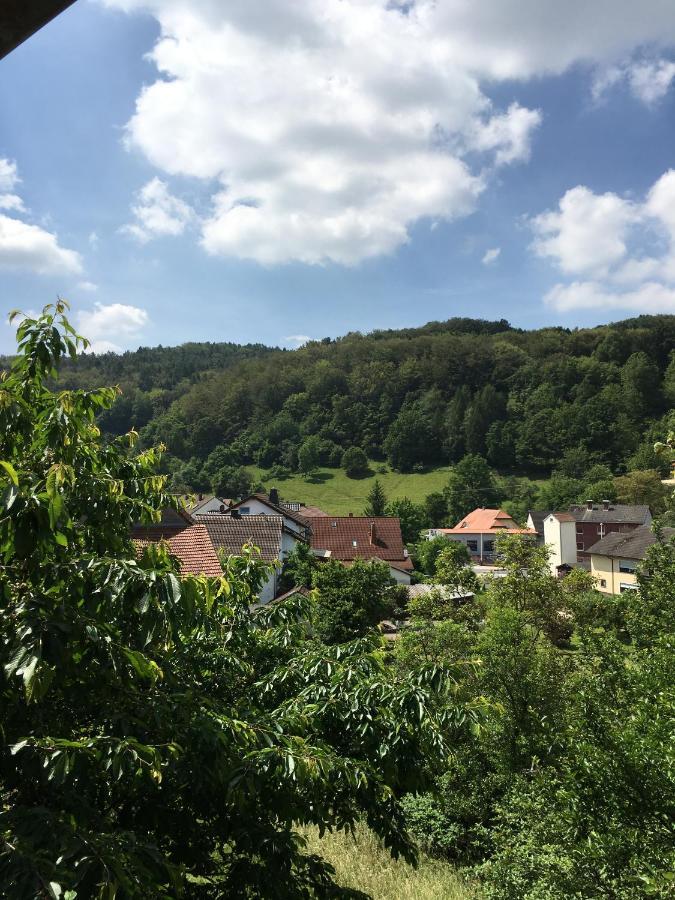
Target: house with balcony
{"type": "Point", "coordinates": [479, 530]}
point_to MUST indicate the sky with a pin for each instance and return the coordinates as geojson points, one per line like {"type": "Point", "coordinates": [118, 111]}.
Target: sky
{"type": "Point", "coordinates": [282, 170]}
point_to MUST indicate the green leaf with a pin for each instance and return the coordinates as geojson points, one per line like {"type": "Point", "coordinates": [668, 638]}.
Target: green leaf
{"type": "Point", "coordinates": [11, 471]}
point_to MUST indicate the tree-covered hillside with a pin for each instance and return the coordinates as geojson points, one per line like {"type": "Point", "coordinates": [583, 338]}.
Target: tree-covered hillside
{"type": "Point", "coordinates": [418, 397]}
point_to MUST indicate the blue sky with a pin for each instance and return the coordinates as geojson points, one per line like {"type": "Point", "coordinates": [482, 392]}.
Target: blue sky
{"type": "Point", "coordinates": [311, 169]}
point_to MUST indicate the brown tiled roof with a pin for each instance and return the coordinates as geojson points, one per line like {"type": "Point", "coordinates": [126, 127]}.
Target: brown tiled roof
{"type": "Point", "coordinates": [629, 545]}
{"type": "Point", "coordinates": [191, 545]}
{"type": "Point", "coordinates": [232, 534]}
{"type": "Point", "coordinates": [311, 512]}
{"type": "Point", "coordinates": [564, 517]}
{"type": "Point", "coordinates": [375, 537]}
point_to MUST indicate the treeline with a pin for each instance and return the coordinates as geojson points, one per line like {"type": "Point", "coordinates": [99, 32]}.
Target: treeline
{"type": "Point", "coordinates": [417, 397]}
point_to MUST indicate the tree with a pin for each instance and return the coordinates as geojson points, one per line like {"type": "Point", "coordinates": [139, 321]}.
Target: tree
{"type": "Point", "coordinates": [469, 486]}
{"type": "Point", "coordinates": [352, 599]}
{"type": "Point", "coordinates": [354, 462]}
{"type": "Point", "coordinates": [159, 735]}
{"type": "Point", "coordinates": [428, 551]}
{"type": "Point", "coordinates": [376, 500]}
{"type": "Point", "coordinates": [298, 569]}
{"type": "Point", "coordinates": [232, 482]}
{"type": "Point", "coordinates": [412, 516]}
{"type": "Point", "coordinates": [308, 455]}
{"type": "Point", "coordinates": [642, 488]}
{"type": "Point", "coordinates": [487, 408]}
{"type": "Point", "coordinates": [436, 509]}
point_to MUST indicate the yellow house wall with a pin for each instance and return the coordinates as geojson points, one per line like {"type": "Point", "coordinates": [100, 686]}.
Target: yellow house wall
{"type": "Point", "coordinates": [601, 568]}
{"type": "Point", "coordinates": [608, 568]}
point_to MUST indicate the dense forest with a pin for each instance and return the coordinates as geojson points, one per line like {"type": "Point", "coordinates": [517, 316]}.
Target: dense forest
{"type": "Point", "coordinates": [417, 397]}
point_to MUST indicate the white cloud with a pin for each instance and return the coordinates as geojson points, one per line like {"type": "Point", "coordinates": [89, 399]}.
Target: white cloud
{"type": "Point", "coordinates": [490, 256]}
{"type": "Point", "coordinates": [600, 238]}
{"type": "Point", "coordinates": [158, 213]}
{"type": "Point", "coordinates": [647, 79]}
{"type": "Point", "coordinates": [111, 326]}
{"type": "Point", "coordinates": [650, 81]}
{"type": "Point", "coordinates": [88, 286]}
{"type": "Point", "coordinates": [26, 246]}
{"type": "Point", "coordinates": [587, 233]}
{"type": "Point", "coordinates": [331, 126]}
{"type": "Point", "coordinates": [650, 297]}
{"type": "Point", "coordinates": [297, 339]}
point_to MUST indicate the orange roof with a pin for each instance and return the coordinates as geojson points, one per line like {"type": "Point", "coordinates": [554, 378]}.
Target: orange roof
{"type": "Point", "coordinates": [192, 546]}
{"type": "Point", "coordinates": [487, 521]}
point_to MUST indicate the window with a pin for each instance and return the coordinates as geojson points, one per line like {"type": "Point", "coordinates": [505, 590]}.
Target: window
{"type": "Point", "coordinates": [624, 586]}
{"type": "Point", "coordinates": [603, 582]}
{"type": "Point", "coordinates": [580, 545]}
{"type": "Point", "coordinates": [472, 545]}
{"type": "Point", "coordinates": [245, 510]}
{"type": "Point", "coordinates": [489, 546]}
{"type": "Point", "coordinates": [627, 565]}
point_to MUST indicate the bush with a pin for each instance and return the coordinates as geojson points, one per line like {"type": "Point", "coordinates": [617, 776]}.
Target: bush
{"type": "Point", "coordinates": [354, 462]}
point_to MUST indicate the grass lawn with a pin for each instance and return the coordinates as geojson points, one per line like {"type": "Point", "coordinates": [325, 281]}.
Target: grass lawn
{"type": "Point", "coordinates": [339, 495]}
{"type": "Point", "coordinates": [363, 864]}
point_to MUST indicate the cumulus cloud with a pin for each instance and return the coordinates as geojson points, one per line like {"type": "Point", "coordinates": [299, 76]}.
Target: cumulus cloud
{"type": "Point", "coordinates": [490, 256]}
{"type": "Point", "coordinates": [587, 233]}
{"type": "Point", "coordinates": [27, 246]}
{"type": "Point", "coordinates": [111, 326]}
{"type": "Point", "coordinates": [88, 286]}
{"type": "Point", "coordinates": [329, 127]}
{"type": "Point", "coordinates": [648, 80]}
{"type": "Point", "coordinates": [157, 213]}
{"type": "Point", "coordinates": [297, 339]}
{"type": "Point", "coordinates": [598, 239]}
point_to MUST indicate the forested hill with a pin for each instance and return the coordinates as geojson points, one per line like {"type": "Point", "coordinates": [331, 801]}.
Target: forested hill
{"type": "Point", "coordinates": [418, 396]}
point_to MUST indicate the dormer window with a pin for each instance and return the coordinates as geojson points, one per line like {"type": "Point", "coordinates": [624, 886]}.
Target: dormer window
{"type": "Point", "coordinates": [354, 544]}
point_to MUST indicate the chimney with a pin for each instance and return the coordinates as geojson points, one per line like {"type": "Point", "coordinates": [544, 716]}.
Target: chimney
{"type": "Point", "coordinates": [274, 496]}
{"type": "Point", "coordinates": [605, 504]}
{"type": "Point", "coordinates": [589, 504]}
{"type": "Point", "coordinates": [371, 532]}
{"type": "Point", "coordinates": [201, 496]}
{"type": "Point", "coordinates": [236, 514]}
{"type": "Point", "coordinates": [351, 515]}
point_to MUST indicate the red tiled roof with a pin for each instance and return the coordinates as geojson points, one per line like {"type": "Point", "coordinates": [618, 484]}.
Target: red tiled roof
{"type": "Point", "coordinates": [375, 537]}
{"type": "Point", "coordinates": [486, 521]}
{"type": "Point", "coordinates": [191, 545]}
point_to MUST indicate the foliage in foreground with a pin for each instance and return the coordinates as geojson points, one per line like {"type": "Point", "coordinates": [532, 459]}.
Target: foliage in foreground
{"type": "Point", "coordinates": [158, 737]}
{"type": "Point", "coordinates": [567, 789]}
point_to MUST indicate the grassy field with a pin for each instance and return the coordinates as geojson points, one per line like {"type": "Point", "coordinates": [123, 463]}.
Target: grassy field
{"type": "Point", "coordinates": [339, 495]}
{"type": "Point", "coordinates": [363, 864]}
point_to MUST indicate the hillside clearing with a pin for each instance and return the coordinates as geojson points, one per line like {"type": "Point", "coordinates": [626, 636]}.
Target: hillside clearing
{"type": "Point", "coordinates": [339, 495]}
{"type": "Point", "coordinates": [362, 863]}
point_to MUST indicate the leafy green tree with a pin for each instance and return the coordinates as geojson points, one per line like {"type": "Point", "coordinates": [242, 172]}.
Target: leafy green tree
{"type": "Point", "coordinates": [428, 551]}
{"type": "Point", "coordinates": [159, 737]}
{"type": "Point", "coordinates": [232, 482]}
{"type": "Point", "coordinates": [488, 407]}
{"type": "Point", "coordinates": [436, 509]}
{"type": "Point", "coordinates": [413, 518]}
{"type": "Point", "coordinates": [645, 457]}
{"type": "Point", "coordinates": [642, 488]}
{"type": "Point", "coordinates": [376, 500]}
{"type": "Point", "coordinates": [640, 379]}
{"type": "Point", "coordinates": [470, 485]}
{"type": "Point", "coordinates": [454, 443]}
{"type": "Point", "coordinates": [353, 599]}
{"type": "Point", "coordinates": [298, 569]}
{"type": "Point", "coordinates": [354, 462]}
{"type": "Point", "coordinates": [308, 455]}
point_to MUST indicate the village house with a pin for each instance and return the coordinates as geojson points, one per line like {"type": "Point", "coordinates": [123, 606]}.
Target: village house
{"type": "Point", "coordinates": [478, 531]}
{"type": "Point", "coordinates": [187, 540]}
{"type": "Point", "coordinates": [616, 557]}
{"type": "Point", "coordinates": [264, 505]}
{"type": "Point", "coordinates": [270, 533]}
{"type": "Point", "coordinates": [205, 503]}
{"type": "Point", "coordinates": [348, 538]}
{"type": "Point", "coordinates": [593, 521]}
